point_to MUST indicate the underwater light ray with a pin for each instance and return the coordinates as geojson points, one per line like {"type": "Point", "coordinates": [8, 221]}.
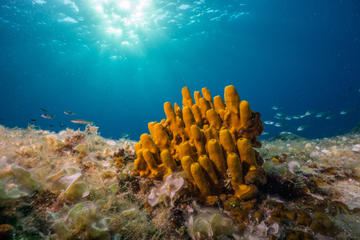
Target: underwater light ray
{"type": "Point", "coordinates": [124, 22]}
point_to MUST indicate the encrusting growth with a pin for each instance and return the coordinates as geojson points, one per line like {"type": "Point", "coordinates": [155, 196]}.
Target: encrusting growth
{"type": "Point", "coordinates": [210, 140]}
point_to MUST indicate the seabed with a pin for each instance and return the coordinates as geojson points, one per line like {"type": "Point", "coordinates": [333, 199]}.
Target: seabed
{"type": "Point", "coordinates": [78, 185]}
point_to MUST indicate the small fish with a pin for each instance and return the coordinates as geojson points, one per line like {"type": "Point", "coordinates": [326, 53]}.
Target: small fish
{"type": "Point", "coordinates": [275, 108]}
{"type": "Point", "coordinates": [279, 115]}
{"type": "Point", "coordinates": [296, 117]}
{"type": "Point", "coordinates": [264, 133]}
{"type": "Point", "coordinates": [46, 116]}
{"type": "Point", "coordinates": [302, 128]}
{"type": "Point", "coordinates": [32, 120]}
{"type": "Point", "coordinates": [125, 135]}
{"type": "Point", "coordinates": [285, 133]}
{"type": "Point", "coordinates": [329, 117]}
{"type": "Point", "coordinates": [268, 122]}
{"type": "Point", "coordinates": [68, 113]}
{"type": "Point", "coordinates": [320, 115]}
{"type": "Point", "coordinates": [278, 125]}
{"type": "Point", "coordinates": [307, 113]}
{"type": "Point", "coordinates": [43, 109]}
{"type": "Point", "coordinates": [343, 112]}
{"type": "Point", "coordinates": [288, 118]}
{"type": "Point", "coordinates": [80, 121]}
{"type": "Point", "coordinates": [51, 125]}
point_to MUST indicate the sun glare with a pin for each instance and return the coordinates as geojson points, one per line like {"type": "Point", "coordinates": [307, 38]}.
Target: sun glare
{"type": "Point", "coordinates": [123, 18]}
{"type": "Point", "coordinates": [114, 31]}
{"type": "Point", "coordinates": [125, 5]}
{"type": "Point", "coordinates": [99, 8]}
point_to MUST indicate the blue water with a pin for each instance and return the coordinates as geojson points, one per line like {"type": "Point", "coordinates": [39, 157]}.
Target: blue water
{"type": "Point", "coordinates": [116, 62]}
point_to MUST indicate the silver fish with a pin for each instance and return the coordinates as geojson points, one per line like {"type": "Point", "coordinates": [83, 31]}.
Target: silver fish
{"type": "Point", "coordinates": [275, 108]}
{"type": "Point", "coordinates": [46, 116]}
{"type": "Point", "coordinates": [80, 121]}
{"type": "Point", "coordinates": [302, 128]}
{"type": "Point", "coordinates": [343, 112]}
{"type": "Point", "coordinates": [278, 125]}
{"type": "Point", "coordinates": [68, 113]}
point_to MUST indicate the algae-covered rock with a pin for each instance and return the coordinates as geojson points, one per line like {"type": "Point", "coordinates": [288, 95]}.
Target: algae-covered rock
{"type": "Point", "coordinates": [85, 196]}
{"type": "Point", "coordinates": [81, 214]}
{"type": "Point", "coordinates": [303, 218]}
{"type": "Point", "coordinates": [295, 235]}
{"type": "Point", "coordinates": [6, 231]}
{"type": "Point", "coordinates": [53, 142]}
{"type": "Point", "coordinates": [2, 129]}
{"type": "Point", "coordinates": [81, 148]}
{"type": "Point", "coordinates": [348, 223]}
{"type": "Point", "coordinates": [323, 225]}
{"type": "Point", "coordinates": [173, 183]}
{"type": "Point", "coordinates": [99, 230]}
{"type": "Point", "coordinates": [62, 231]}
{"type": "Point", "coordinates": [24, 178]}
{"type": "Point", "coordinates": [210, 224]}
{"type": "Point", "coordinates": [16, 182]}
{"type": "Point", "coordinates": [12, 194]}
{"type": "Point", "coordinates": [77, 190]}
{"type": "Point", "coordinates": [54, 174]}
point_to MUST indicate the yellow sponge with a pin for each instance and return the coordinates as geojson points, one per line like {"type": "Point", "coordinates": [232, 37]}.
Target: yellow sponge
{"type": "Point", "coordinates": [211, 140]}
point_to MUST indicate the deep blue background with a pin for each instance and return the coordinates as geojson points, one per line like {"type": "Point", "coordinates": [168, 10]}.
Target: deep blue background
{"type": "Point", "coordinates": [299, 55]}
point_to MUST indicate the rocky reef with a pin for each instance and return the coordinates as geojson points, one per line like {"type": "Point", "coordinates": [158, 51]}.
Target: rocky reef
{"type": "Point", "coordinates": [67, 185]}
{"type": "Point", "coordinates": [211, 141]}
{"type": "Point", "coordinates": [78, 185]}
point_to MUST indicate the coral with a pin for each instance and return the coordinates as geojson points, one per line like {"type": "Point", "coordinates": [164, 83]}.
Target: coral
{"type": "Point", "coordinates": [211, 141]}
